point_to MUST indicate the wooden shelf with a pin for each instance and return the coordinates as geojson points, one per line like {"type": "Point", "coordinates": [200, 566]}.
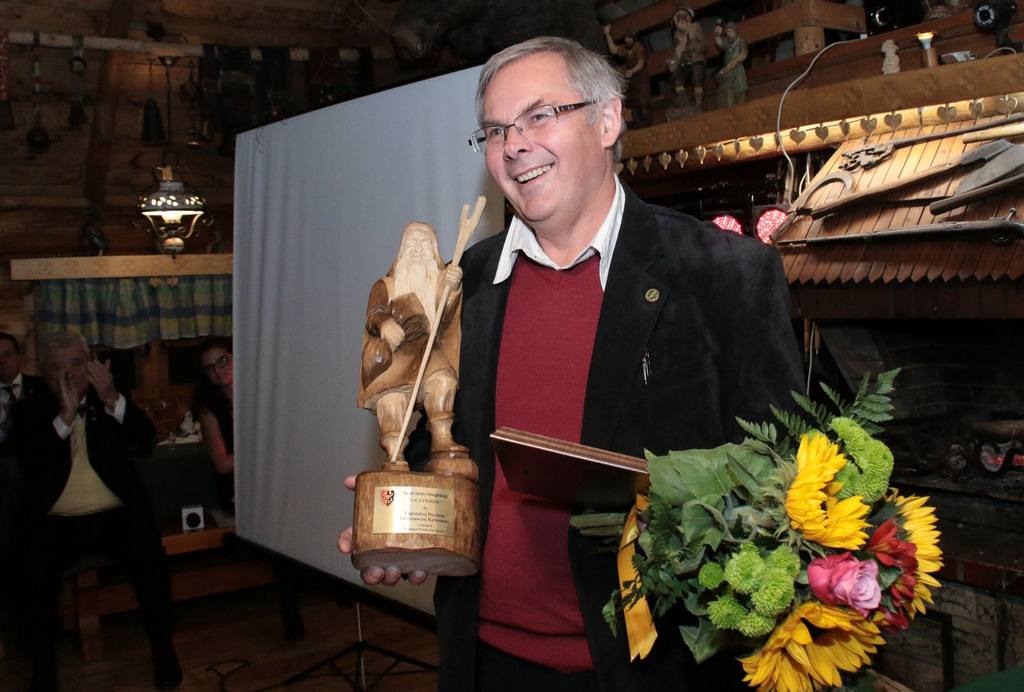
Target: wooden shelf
{"type": "Point", "coordinates": [114, 266]}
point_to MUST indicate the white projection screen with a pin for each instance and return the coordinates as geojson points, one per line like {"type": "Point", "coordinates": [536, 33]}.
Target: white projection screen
{"type": "Point", "coordinates": [320, 202]}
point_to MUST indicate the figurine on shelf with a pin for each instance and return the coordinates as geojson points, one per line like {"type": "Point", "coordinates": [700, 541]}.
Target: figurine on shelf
{"type": "Point", "coordinates": [732, 77]}
{"type": "Point", "coordinates": [891, 61]}
{"type": "Point", "coordinates": [632, 58]}
{"type": "Point", "coordinates": [687, 65]}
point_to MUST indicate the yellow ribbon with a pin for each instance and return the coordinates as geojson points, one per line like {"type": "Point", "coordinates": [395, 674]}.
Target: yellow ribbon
{"type": "Point", "coordinates": [639, 624]}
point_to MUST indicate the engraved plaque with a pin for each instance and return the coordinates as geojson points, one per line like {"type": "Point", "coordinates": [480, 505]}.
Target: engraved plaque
{"type": "Point", "coordinates": [414, 509]}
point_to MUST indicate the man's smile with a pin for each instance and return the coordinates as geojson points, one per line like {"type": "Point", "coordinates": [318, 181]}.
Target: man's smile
{"type": "Point", "coordinates": [533, 173]}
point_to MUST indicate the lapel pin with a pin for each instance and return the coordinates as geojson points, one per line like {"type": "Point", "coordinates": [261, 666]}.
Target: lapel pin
{"type": "Point", "coordinates": [652, 295]}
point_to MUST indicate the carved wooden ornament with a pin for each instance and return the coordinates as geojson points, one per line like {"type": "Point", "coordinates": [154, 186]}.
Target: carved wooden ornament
{"type": "Point", "coordinates": [893, 120]}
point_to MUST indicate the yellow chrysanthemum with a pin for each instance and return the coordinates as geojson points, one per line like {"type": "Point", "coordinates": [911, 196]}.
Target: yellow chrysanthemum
{"type": "Point", "coordinates": [811, 499]}
{"type": "Point", "coordinates": [919, 525]}
{"type": "Point", "coordinates": [795, 660]}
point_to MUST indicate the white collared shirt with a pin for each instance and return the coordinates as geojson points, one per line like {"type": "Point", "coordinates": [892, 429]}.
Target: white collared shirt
{"type": "Point", "coordinates": [521, 238]}
{"type": "Point", "coordinates": [16, 392]}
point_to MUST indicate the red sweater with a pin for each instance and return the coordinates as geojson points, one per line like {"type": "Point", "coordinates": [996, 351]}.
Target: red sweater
{"type": "Point", "coordinates": [528, 603]}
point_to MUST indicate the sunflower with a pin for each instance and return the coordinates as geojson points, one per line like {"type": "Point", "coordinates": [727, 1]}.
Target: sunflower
{"type": "Point", "coordinates": [798, 659]}
{"type": "Point", "coordinates": [919, 521]}
{"type": "Point", "coordinates": [811, 501]}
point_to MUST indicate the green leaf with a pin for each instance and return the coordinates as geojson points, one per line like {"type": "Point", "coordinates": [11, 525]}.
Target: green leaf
{"type": "Point", "coordinates": [592, 520]}
{"type": "Point", "coordinates": [749, 468]}
{"type": "Point", "coordinates": [833, 396]}
{"type": "Point", "coordinates": [681, 476]}
{"type": "Point", "coordinates": [705, 640]}
{"type": "Point", "coordinates": [887, 576]}
{"type": "Point", "coordinates": [610, 610]}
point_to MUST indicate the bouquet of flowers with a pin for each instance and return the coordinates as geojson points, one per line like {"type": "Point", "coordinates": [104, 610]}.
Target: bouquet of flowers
{"type": "Point", "coordinates": [791, 546]}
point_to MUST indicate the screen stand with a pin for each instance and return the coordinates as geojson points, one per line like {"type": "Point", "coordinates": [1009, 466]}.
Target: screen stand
{"type": "Point", "coordinates": [358, 678]}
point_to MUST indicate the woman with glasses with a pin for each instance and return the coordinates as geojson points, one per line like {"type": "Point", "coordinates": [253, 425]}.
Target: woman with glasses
{"type": "Point", "coordinates": [213, 407]}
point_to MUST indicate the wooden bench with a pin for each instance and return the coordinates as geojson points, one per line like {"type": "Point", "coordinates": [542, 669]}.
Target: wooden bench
{"type": "Point", "coordinates": [200, 564]}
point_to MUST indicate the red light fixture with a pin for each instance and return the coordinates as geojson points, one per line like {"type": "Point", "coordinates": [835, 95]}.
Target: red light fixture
{"type": "Point", "coordinates": [728, 222]}
{"type": "Point", "coordinates": [768, 220]}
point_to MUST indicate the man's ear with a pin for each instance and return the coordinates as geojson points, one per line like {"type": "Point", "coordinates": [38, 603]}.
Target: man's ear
{"type": "Point", "coordinates": [611, 121]}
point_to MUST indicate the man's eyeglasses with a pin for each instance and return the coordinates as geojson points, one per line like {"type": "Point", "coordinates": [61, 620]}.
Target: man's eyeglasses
{"type": "Point", "coordinates": [528, 124]}
{"type": "Point", "coordinates": [218, 364]}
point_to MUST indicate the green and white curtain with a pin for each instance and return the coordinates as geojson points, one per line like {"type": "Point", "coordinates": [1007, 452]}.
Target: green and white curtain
{"type": "Point", "coordinates": [129, 312]}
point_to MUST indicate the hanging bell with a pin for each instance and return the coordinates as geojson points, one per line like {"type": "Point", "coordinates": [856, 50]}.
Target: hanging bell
{"type": "Point", "coordinates": [152, 124]}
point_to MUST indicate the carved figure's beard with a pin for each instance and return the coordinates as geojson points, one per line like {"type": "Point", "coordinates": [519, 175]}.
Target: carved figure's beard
{"type": "Point", "coordinates": [418, 276]}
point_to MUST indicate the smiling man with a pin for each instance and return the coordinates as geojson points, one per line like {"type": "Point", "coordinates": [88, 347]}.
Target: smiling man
{"type": "Point", "coordinates": [600, 319]}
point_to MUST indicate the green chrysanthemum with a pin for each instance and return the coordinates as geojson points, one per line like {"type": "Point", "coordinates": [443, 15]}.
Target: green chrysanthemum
{"type": "Point", "coordinates": [725, 612]}
{"type": "Point", "coordinates": [744, 569]}
{"type": "Point", "coordinates": [711, 575]}
{"type": "Point", "coordinates": [783, 558]}
{"type": "Point", "coordinates": [775, 593]}
{"type": "Point", "coordinates": [869, 462]}
{"type": "Point", "coordinates": [756, 625]}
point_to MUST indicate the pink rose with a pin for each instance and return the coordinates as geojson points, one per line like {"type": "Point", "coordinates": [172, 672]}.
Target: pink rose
{"type": "Point", "coordinates": [845, 579]}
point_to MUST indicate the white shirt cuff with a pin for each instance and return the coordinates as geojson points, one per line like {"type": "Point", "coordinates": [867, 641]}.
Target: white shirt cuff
{"type": "Point", "coordinates": [118, 411]}
{"type": "Point", "coordinates": [62, 429]}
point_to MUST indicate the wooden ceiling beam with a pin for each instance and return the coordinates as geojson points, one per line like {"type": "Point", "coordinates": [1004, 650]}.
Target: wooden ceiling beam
{"type": "Point", "coordinates": [97, 160]}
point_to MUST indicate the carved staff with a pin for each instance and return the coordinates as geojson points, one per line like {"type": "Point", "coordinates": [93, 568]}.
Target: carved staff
{"type": "Point", "coordinates": [467, 225]}
{"type": "Point", "coordinates": [873, 154]}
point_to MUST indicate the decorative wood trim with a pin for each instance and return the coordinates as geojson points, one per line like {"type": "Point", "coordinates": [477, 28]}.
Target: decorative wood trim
{"type": "Point", "coordinates": [118, 266]}
{"type": "Point", "coordinates": [851, 100]}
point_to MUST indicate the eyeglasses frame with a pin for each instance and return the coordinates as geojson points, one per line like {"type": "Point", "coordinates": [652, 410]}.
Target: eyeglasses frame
{"type": "Point", "coordinates": [479, 132]}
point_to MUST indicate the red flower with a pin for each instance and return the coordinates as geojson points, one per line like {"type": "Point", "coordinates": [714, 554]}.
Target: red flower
{"type": "Point", "coordinates": [892, 621]}
{"type": "Point", "coordinates": [902, 590]}
{"type": "Point", "coordinates": [888, 549]}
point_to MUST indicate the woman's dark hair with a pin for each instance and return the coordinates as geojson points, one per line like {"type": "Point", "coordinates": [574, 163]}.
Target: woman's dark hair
{"type": "Point", "coordinates": [207, 395]}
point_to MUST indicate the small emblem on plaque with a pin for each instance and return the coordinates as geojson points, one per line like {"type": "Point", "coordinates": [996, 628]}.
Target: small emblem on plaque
{"type": "Point", "coordinates": [387, 496]}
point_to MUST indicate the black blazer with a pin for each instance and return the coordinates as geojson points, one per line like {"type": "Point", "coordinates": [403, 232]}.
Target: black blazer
{"type": "Point", "coordinates": [31, 385]}
{"type": "Point", "coordinates": [45, 458]}
{"type": "Point", "coordinates": [709, 311]}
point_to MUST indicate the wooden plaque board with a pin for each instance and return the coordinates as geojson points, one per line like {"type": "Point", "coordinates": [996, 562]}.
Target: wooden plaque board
{"type": "Point", "coordinates": [567, 473]}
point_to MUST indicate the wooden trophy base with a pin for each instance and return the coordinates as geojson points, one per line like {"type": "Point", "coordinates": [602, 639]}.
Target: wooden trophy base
{"type": "Point", "coordinates": [416, 521]}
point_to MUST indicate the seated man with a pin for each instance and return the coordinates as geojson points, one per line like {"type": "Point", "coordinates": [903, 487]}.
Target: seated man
{"type": "Point", "coordinates": [14, 386]}
{"type": "Point", "coordinates": [83, 495]}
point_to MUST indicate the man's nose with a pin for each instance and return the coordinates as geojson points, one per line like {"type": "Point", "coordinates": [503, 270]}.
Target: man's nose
{"type": "Point", "coordinates": [515, 141]}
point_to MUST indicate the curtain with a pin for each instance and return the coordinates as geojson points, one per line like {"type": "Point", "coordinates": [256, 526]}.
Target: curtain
{"type": "Point", "coordinates": [128, 312]}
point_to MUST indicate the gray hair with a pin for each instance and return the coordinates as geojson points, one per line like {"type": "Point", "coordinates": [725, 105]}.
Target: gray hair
{"type": "Point", "coordinates": [590, 74]}
{"type": "Point", "coordinates": [60, 340]}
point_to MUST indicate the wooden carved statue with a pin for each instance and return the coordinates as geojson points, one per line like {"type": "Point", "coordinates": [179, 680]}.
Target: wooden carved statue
{"type": "Point", "coordinates": [687, 64]}
{"type": "Point", "coordinates": [891, 58]}
{"type": "Point", "coordinates": [403, 305]}
{"type": "Point", "coordinates": [632, 59]}
{"type": "Point", "coordinates": [732, 76]}
{"type": "Point", "coordinates": [416, 520]}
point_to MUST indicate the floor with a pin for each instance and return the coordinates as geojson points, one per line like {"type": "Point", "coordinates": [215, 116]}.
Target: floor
{"type": "Point", "coordinates": [235, 643]}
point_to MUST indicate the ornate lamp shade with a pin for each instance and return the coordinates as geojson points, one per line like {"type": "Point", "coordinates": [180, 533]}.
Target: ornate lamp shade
{"type": "Point", "coordinates": [172, 209]}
